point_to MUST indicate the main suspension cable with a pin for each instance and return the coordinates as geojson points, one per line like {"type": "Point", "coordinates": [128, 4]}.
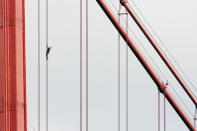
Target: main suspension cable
{"type": "Point", "coordinates": [170, 54]}
{"type": "Point", "coordinates": [162, 73]}
{"type": "Point", "coordinates": [163, 51]}
{"type": "Point", "coordinates": [150, 57]}
{"type": "Point", "coordinates": [140, 43]}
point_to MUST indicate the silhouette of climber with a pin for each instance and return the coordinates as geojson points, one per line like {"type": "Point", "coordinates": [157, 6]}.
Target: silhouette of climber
{"type": "Point", "coordinates": [48, 51]}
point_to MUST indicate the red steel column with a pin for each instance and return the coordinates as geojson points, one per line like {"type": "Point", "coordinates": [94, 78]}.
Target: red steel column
{"type": "Point", "coordinates": [12, 66]}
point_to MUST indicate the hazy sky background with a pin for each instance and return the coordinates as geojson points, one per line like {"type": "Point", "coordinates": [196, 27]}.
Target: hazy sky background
{"type": "Point", "coordinates": [174, 21]}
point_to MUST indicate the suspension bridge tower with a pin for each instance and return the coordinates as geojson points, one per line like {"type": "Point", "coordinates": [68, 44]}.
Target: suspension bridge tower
{"type": "Point", "coordinates": [12, 66]}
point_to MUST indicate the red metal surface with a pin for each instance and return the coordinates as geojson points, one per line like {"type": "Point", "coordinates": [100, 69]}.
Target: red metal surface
{"type": "Point", "coordinates": [12, 66]}
{"type": "Point", "coordinates": [124, 3]}
{"type": "Point", "coordinates": [159, 84]}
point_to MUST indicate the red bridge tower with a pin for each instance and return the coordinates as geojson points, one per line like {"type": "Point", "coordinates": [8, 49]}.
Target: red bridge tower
{"type": "Point", "coordinates": [13, 114]}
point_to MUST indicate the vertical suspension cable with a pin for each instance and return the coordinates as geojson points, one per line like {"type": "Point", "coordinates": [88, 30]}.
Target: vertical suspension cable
{"type": "Point", "coordinates": [47, 71]}
{"type": "Point", "coordinates": [195, 117]}
{"type": "Point", "coordinates": [81, 35]}
{"type": "Point", "coordinates": [165, 55]}
{"type": "Point", "coordinates": [158, 110]}
{"type": "Point", "coordinates": [184, 74]}
{"type": "Point", "coordinates": [87, 65]}
{"type": "Point", "coordinates": [119, 72]}
{"type": "Point", "coordinates": [164, 113]}
{"type": "Point", "coordinates": [127, 78]}
{"type": "Point", "coordinates": [38, 65]}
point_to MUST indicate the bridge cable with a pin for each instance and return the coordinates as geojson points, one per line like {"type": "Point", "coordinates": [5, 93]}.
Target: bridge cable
{"type": "Point", "coordinates": [164, 112]}
{"type": "Point", "coordinates": [195, 117]}
{"type": "Point", "coordinates": [119, 16]}
{"type": "Point", "coordinates": [47, 70]}
{"type": "Point", "coordinates": [154, 64]}
{"type": "Point", "coordinates": [179, 98]}
{"type": "Point", "coordinates": [87, 61]}
{"type": "Point", "coordinates": [127, 76]}
{"type": "Point", "coordinates": [140, 43]}
{"type": "Point", "coordinates": [151, 59]}
{"type": "Point", "coordinates": [38, 65]}
{"type": "Point", "coordinates": [81, 42]}
{"type": "Point", "coordinates": [119, 72]}
{"type": "Point", "coordinates": [184, 74]}
{"type": "Point", "coordinates": [159, 123]}
{"type": "Point", "coordinates": [149, 55]}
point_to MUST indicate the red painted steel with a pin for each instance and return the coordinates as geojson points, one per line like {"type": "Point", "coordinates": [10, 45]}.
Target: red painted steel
{"type": "Point", "coordinates": [159, 84]}
{"type": "Point", "coordinates": [12, 66]}
{"type": "Point", "coordinates": [124, 3]}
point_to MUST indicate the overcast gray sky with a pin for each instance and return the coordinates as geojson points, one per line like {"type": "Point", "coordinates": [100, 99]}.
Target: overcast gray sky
{"type": "Point", "coordinates": [174, 21]}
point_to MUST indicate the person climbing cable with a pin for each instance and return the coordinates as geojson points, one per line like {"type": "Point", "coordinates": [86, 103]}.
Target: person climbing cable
{"type": "Point", "coordinates": [47, 52]}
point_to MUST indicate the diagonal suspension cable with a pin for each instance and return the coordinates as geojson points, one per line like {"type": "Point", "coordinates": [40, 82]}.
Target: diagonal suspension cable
{"type": "Point", "coordinates": [160, 54]}
{"type": "Point", "coordinates": [183, 103]}
{"type": "Point", "coordinates": [159, 83]}
{"type": "Point", "coordinates": [154, 62]}
{"type": "Point", "coordinates": [170, 54]}
{"type": "Point", "coordinates": [140, 43]}
{"type": "Point", "coordinates": [114, 13]}
{"type": "Point", "coordinates": [180, 99]}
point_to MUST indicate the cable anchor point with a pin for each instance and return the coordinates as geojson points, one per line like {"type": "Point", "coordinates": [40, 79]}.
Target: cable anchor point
{"type": "Point", "coordinates": [123, 2]}
{"type": "Point", "coordinates": [167, 83]}
{"type": "Point", "coordinates": [164, 87]}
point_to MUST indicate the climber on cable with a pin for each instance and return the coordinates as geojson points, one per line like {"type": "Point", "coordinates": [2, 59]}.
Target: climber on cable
{"type": "Point", "coordinates": [48, 51]}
